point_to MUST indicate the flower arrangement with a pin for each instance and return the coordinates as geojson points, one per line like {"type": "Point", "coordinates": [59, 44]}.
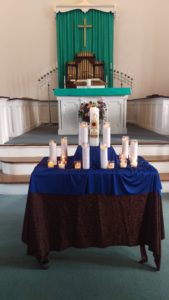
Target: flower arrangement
{"type": "Point", "coordinates": [84, 111]}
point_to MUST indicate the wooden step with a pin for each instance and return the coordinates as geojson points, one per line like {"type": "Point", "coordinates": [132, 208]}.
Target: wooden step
{"type": "Point", "coordinates": [20, 179]}
{"type": "Point", "coordinates": [156, 158]}
{"type": "Point", "coordinates": [36, 159]}
{"type": "Point", "coordinates": [164, 177]}
{"type": "Point", "coordinates": [21, 160]}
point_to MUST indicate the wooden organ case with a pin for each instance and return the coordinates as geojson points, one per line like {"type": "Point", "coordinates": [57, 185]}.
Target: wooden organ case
{"type": "Point", "coordinates": [84, 67]}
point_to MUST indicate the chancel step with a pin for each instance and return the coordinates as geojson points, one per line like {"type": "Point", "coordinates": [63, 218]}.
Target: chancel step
{"type": "Point", "coordinates": [14, 179]}
{"type": "Point", "coordinates": [43, 150]}
{"type": "Point", "coordinates": [18, 165]}
{"type": "Point", "coordinates": [25, 165]}
{"type": "Point", "coordinates": [156, 158]}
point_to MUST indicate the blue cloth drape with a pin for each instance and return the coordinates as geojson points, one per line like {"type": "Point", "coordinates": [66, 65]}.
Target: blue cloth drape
{"type": "Point", "coordinates": [118, 181]}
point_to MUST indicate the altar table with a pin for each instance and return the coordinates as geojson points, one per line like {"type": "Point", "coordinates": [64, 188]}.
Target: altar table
{"type": "Point", "coordinates": [69, 101]}
{"type": "Point", "coordinates": [93, 208]}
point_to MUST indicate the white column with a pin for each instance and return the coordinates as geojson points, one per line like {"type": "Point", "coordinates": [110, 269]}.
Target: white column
{"type": "Point", "coordinates": [4, 126]}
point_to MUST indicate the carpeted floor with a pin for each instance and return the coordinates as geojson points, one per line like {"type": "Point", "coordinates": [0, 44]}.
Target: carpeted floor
{"type": "Point", "coordinates": [42, 134]}
{"type": "Point", "coordinates": [76, 274]}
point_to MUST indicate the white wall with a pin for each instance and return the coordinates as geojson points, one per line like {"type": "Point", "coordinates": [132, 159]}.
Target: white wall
{"type": "Point", "coordinates": [28, 44]}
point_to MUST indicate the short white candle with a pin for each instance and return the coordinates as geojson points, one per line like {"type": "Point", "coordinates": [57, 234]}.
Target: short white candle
{"type": "Point", "coordinates": [125, 146]}
{"type": "Point", "coordinates": [53, 151]}
{"type": "Point", "coordinates": [103, 156]}
{"type": "Point", "coordinates": [50, 164]}
{"type": "Point", "coordinates": [123, 163]}
{"type": "Point", "coordinates": [133, 163]}
{"type": "Point", "coordinates": [77, 164]}
{"type": "Point", "coordinates": [106, 134]}
{"type": "Point", "coordinates": [89, 81]}
{"type": "Point", "coordinates": [63, 159]}
{"type": "Point", "coordinates": [86, 156]}
{"type": "Point", "coordinates": [83, 133]}
{"type": "Point", "coordinates": [61, 164]}
{"type": "Point", "coordinates": [111, 164]}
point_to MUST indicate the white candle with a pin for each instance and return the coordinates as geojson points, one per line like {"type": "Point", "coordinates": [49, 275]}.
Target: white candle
{"type": "Point", "coordinates": [111, 164]}
{"type": "Point", "coordinates": [61, 164]}
{"type": "Point", "coordinates": [83, 133]}
{"type": "Point", "coordinates": [94, 121]}
{"type": "Point", "coordinates": [134, 150]}
{"type": "Point", "coordinates": [77, 164]}
{"type": "Point", "coordinates": [133, 163]}
{"type": "Point", "coordinates": [89, 81]}
{"type": "Point", "coordinates": [94, 141]}
{"type": "Point", "coordinates": [125, 146]}
{"type": "Point", "coordinates": [50, 164]}
{"type": "Point", "coordinates": [123, 163]}
{"type": "Point", "coordinates": [86, 156]}
{"type": "Point", "coordinates": [103, 156]}
{"type": "Point", "coordinates": [64, 147]}
{"type": "Point", "coordinates": [106, 134]}
{"type": "Point", "coordinates": [53, 152]}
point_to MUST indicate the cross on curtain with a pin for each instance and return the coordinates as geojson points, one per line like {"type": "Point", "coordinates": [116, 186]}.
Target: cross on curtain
{"type": "Point", "coordinates": [99, 39]}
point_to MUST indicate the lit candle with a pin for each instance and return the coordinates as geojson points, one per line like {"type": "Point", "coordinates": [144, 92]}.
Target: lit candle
{"type": "Point", "coordinates": [122, 156]}
{"type": "Point", "coordinates": [86, 156]}
{"type": "Point", "coordinates": [110, 164]}
{"type": "Point", "coordinates": [77, 164]}
{"type": "Point", "coordinates": [50, 164]}
{"type": "Point", "coordinates": [123, 163]}
{"type": "Point", "coordinates": [64, 147]}
{"type": "Point", "coordinates": [125, 146]}
{"type": "Point", "coordinates": [103, 156]}
{"type": "Point", "coordinates": [94, 121]}
{"type": "Point", "coordinates": [61, 164]}
{"type": "Point", "coordinates": [83, 133]}
{"type": "Point", "coordinates": [53, 151]}
{"type": "Point", "coordinates": [134, 150]}
{"type": "Point", "coordinates": [133, 163]}
{"type": "Point", "coordinates": [63, 159]}
{"type": "Point", "coordinates": [106, 134]}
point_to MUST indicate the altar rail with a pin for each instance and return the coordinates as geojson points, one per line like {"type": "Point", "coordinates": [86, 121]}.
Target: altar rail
{"type": "Point", "coordinates": [151, 113]}
{"type": "Point", "coordinates": [20, 115]}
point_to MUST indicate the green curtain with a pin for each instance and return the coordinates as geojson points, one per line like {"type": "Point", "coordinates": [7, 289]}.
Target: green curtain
{"type": "Point", "coordinates": [99, 39]}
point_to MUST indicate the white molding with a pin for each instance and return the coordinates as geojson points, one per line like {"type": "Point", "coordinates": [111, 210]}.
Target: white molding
{"type": "Point", "coordinates": [84, 5]}
{"type": "Point", "coordinates": [150, 113]}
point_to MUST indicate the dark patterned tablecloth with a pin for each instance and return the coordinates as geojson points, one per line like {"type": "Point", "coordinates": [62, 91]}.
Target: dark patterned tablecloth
{"type": "Point", "coordinates": [57, 222]}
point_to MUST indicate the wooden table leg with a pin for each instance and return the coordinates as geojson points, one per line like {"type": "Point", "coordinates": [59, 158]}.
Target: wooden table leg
{"type": "Point", "coordinates": [144, 257]}
{"type": "Point", "coordinates": [157, 260]}
{"type": "Point", "coordinates": [44, 264]}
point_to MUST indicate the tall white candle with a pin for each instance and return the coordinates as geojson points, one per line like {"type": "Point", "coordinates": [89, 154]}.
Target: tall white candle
{"type": "Point", "coordinates": [94, 121]}
{"type": "Point", "coordinates": [125, 146]}
{"type": "Point", "coordinates": [103, 156]}
{"type": "Point", "coordinates": [86, 156]}
{"type": "Point", "coordinates": [64, 147]}
{"type": "Point", "coordinates": [83, 133]}
{"type": "Point", "coordinates": [134, 150]}
{"type": "Point", "coordinates": [53, 151]}
{"type": "Point", "coordinates": [106, 134]}
{"type": "Point", "coordinates": [94, 141]}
